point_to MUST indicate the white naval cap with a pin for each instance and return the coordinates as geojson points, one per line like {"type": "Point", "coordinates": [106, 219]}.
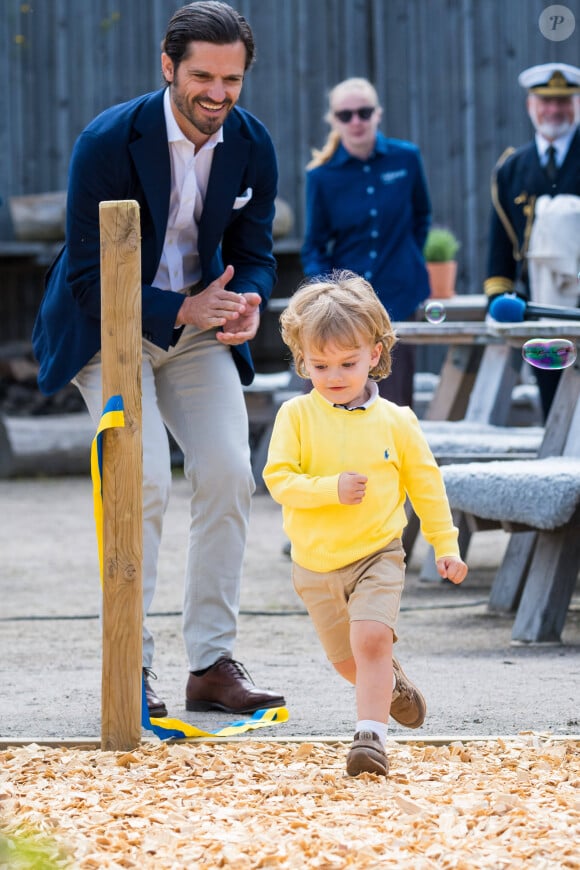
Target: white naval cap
{"type": "Point", "coordinates": [551, 79]}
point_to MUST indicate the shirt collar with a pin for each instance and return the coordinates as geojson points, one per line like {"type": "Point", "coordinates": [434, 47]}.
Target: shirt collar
{"type": "Point", "coordinates": [561, 144]}
{"type": "Point", "coordinates": [374, 392]}
{"type": "Point", "coordinates": [174, 133]}
{"type": "Point", "coordinates": [341, 156]}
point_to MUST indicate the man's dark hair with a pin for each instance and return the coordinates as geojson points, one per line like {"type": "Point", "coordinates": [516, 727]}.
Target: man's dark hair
{"type": "Point", "coordinates": [206, 21]}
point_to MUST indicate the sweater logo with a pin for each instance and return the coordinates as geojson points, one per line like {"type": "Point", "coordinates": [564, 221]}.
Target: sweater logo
{"type": "Point", "coordinates": [386, 454]}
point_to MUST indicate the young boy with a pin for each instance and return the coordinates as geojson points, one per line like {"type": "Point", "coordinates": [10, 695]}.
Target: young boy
{"type": "Point", "coordinates": [341, 462]}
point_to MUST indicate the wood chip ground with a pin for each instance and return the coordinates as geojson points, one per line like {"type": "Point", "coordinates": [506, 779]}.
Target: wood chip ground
{"type": "Point", "coordinates": [501, 803]}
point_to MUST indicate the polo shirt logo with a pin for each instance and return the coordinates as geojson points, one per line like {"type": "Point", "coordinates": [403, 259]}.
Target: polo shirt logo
{"type": "Point", "coordinates": [389, 177]}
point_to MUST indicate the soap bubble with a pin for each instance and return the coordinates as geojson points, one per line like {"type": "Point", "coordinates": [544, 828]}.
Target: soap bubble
{"type": "Point", "coordinates": [549, 353]}
{"type": "Point", "coordinates": [435, 312]}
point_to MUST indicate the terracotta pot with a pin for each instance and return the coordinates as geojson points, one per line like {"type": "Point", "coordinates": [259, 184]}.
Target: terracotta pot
{"type": "Point", "coordinates": [442, 277]}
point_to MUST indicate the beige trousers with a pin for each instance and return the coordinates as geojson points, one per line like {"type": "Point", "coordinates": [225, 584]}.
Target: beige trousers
{"type": "Point", "coordinates": [194, 390]}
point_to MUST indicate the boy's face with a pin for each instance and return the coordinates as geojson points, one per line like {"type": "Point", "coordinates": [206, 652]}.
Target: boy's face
{"type": "Point", "coordinates": [340, 374]}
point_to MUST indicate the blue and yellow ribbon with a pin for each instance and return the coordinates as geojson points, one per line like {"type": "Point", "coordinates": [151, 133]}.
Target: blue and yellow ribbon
{"type": "Point", "coordinates": [175, 729]}
{"type": "Point", "coordinates": [113, 416]}
{"type": "Point", "coordinates": [166, 729]}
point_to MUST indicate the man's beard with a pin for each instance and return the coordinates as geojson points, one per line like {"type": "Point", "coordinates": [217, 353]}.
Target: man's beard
{"type": "Point", "coordinates": [554, 131]}
{"type": "Point", "coordinates": [205, 124]}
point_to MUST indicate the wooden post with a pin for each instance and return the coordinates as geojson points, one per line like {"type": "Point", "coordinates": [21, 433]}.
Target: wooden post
{"type": "Point", "coordinates": [122, 477]}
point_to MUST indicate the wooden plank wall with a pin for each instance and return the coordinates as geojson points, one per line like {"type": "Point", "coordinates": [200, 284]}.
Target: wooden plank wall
{"type": "Point", "coordinates": [446, 72]}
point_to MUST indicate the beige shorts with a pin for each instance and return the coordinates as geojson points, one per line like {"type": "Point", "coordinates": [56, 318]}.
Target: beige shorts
{"type": "Point", "coordinates": [368, 589]}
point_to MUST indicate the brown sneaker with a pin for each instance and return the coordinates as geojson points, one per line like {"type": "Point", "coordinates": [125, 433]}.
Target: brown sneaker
{"type": "Point", "coordinates": [367, 755]}
{"type": "Point", "coordinates": [228, 686]}
{"type": "Point", "coordinates": [408, 705]}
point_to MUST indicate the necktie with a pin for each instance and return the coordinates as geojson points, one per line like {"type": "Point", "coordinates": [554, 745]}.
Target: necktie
{"type": "Point", "coordinates": [551, 168]}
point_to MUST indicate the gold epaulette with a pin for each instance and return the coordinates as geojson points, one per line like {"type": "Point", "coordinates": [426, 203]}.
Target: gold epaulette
{"type": "Point", "coordinates": [503, 157]}
{"type": "Point", "coordinates": [497, 284]}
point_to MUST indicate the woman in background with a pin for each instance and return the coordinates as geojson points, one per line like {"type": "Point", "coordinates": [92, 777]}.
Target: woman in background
{"type": "Point", "coordinates": [368, 210]}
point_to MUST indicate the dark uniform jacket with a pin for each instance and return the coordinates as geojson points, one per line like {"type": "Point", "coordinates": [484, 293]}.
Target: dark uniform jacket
{"type": "Point", "coordinates": [517, 183]}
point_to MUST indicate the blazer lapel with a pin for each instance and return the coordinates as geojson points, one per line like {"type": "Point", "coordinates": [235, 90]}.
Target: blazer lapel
{"type": "Point", "coordinates": [150, 153]}
{"type": "Point", "coordinates": [229, 162]}
{"type": "Point", "coordinates": [569, 172]}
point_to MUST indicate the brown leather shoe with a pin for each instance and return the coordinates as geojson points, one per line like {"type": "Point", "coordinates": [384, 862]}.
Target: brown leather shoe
{"type": "Point", "coordinates": [228, 686]}
{"type": "Point", "coordinates": [408, 705]}
{"type": "Point", "coordinates": [155, 705]}
{"type": "Point", "coordinates": [367, 755]}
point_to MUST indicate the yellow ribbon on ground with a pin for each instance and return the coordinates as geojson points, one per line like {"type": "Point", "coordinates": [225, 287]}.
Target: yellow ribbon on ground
{"type": "Point", "coordinates": [167, 729]}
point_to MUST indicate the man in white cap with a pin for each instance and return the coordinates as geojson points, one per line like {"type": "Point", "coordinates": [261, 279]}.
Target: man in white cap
{"type": "Point", "coordinates": [548, 165]}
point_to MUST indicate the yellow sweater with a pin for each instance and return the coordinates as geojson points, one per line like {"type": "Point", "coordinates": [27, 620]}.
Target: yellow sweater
{"type": "Point", "coordinates": [314, 442]}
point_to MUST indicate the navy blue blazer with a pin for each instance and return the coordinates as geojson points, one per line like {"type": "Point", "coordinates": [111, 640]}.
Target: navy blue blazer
{"type": "Point", "coordinates": [124, 154]}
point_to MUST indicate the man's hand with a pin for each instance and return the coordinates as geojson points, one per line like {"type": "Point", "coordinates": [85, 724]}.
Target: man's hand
{"type": "Point", "coordinates": [214, 306]}
{"type": "Point", "coordinates": [351, 487]}
{"type": "Point", "coordinates": [245, 326]}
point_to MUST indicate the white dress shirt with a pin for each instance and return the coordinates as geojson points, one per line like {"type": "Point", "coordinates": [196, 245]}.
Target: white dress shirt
{"type": "Point", "coordinates": [561, 145]}
{"type": "Point", "coordinates": [179, 265]}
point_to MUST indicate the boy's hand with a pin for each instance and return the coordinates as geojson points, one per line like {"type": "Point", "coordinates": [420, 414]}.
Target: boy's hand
{"type": "Point", "coordinates": [351, 487]}
{"type": "Point", "coordinates": [452, 568]}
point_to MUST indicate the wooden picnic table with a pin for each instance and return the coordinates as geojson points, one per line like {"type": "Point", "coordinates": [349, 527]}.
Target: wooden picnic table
{"type": "Point", "coordinates": [481, 388]}
{"type": "Point", "coordinates": [482, 365]}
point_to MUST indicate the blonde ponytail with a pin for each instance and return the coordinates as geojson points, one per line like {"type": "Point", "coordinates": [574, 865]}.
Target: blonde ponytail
{"type": "Point", "coordinates": [323, 155]}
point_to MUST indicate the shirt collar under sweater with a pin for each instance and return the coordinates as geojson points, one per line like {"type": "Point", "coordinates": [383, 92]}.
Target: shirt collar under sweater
{"type": "Point", "coordinates": [374, 392]}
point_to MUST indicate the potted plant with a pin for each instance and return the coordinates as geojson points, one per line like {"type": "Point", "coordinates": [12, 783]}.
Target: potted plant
{"type": "Point", "coordinates": [439, 251]}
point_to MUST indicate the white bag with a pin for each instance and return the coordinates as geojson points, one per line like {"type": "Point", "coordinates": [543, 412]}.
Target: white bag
{"type": "Point", "coordinates": [554, 251]}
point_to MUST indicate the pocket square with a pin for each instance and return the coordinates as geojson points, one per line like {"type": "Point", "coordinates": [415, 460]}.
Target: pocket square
{"type": "Point", "coordinates": [243, 199]}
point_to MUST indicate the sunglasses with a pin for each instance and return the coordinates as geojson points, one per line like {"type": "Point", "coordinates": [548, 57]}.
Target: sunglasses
{"type": "Point", "coordinates": [364, 113]}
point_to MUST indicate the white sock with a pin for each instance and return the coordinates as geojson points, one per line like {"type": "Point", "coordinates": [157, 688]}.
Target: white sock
{"type": "Point", "coordinates": [380, 728]}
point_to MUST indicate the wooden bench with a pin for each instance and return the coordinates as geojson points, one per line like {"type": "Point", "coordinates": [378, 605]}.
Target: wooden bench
{"type": "Point", "coordinates": [464, 441]}
{"type": "Point", "coordinates": [538, 502]}
{"type": "Point", "coordinates": [54, 444]}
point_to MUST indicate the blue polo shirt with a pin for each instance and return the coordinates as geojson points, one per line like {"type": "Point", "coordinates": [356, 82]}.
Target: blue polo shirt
{"type": "Point", "coordinates": [372, 217]}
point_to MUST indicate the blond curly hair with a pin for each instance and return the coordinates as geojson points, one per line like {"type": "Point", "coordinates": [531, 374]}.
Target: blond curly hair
{"type": "Point", "coordinates": [342, 308]}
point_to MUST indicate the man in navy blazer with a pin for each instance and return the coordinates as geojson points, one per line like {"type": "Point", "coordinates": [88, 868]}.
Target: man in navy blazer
{"type": "Point", "coordinates": [204, 174]}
